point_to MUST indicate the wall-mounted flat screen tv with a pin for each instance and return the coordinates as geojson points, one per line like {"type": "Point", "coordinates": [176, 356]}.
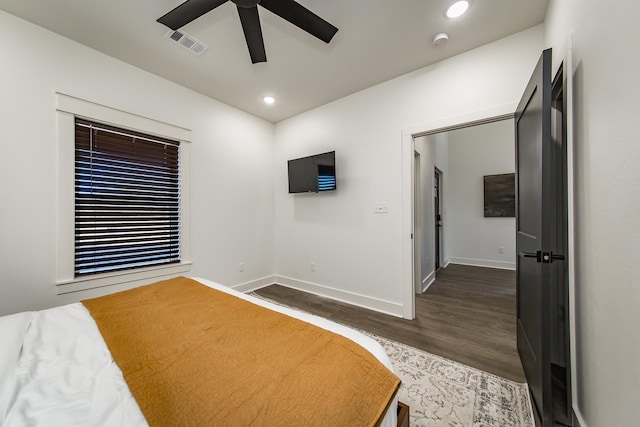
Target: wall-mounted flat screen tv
{"type": "Point", "coordinates": [312, 174]}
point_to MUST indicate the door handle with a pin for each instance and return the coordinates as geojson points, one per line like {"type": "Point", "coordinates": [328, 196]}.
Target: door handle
{"type": "Point", "coordinates": [544, 257]}
{"type": "Point", "coordinates": [537, 255]}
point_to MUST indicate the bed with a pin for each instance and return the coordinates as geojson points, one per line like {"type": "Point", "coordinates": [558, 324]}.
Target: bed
{"type": "Point", "coordinates": [66, 366]}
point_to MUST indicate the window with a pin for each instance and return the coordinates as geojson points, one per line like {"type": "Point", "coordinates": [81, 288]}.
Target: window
{"type": "Point", "coordinates": [127, 199]}
{"type": "Point", "coordinates": [110, 125]}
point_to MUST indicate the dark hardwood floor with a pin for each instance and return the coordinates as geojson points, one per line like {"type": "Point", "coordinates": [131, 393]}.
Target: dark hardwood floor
{"type": "Point", "coordinates": [466, 315]}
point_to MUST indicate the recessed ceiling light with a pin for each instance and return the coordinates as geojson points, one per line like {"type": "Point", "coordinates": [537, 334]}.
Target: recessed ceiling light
{"type": "Point", "coordinates": [457, 9]}
{"type": "Point", "coordinates": [269, 100]}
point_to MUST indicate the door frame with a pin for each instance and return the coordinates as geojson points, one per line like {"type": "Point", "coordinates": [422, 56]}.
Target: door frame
{"type": "Point", "coordinates": [566, 58]}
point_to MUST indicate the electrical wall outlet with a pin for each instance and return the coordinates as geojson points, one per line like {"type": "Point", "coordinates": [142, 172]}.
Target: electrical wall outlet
{"type": "Point", "coordinates": [241, 267]}
{"type": "Point", "coordinates": [312, 266]}
{"type": "Point", "coordinates": [501, 250]}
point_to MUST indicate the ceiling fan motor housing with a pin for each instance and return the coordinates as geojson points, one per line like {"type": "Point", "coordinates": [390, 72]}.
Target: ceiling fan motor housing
{"type": "Point", "coordinates": [246, 3]}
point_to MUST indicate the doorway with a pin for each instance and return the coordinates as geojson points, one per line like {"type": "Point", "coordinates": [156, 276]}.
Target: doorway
{"type": "Point", "coordinates": [453, 228]}
{"type": "Point", "coordinates": [409, 135]}
{"type": "Point", "coordinates": [437, 215]}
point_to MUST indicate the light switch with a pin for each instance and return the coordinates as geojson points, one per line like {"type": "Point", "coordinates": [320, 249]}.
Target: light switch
{"type": "Point", "coordinates": [380, 207]}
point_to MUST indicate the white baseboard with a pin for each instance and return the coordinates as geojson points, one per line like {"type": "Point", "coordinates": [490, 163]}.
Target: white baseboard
{"type": "Point", "coordinates": [255, 284]}
{"type": "Point", "coordinates": [386, 307]}
{"type": "Point", "coordinates": [483, 263]}
{"type": "Point", "coordinates": [428, 281]}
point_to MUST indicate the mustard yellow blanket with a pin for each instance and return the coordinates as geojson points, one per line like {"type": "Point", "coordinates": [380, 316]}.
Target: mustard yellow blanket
{"type": "Point", "coordinates": [195, 356]}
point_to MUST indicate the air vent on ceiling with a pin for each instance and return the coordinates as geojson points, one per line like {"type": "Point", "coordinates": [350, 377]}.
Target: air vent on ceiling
{"type": "Point", "coordinates": [187, 41]}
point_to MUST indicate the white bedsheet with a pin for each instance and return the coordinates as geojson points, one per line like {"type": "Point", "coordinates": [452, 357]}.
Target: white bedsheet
{"type": "Point", "coordinates": [56, 370]}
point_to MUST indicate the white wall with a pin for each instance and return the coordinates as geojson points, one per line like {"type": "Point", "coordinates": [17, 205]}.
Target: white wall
{"type": "Point", "coordinates": [231, 164]}
{"type": "Point", "coordinates": [423, 233]}
{"type": "Point", "coordinates": [433, 151]}
{"type": "Point", "coordinates": [474, 152]}
{"type": "Point", "coordinates": [358, 253]}
{"type": "Point", "coordinates": [607, 224]}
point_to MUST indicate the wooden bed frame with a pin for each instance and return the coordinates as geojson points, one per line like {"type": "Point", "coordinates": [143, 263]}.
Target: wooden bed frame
{"type": "Point", "coordinates": [403, 414]}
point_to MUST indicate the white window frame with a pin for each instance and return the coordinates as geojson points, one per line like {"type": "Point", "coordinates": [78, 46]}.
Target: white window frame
{"type": "Point", "coordinates": [67, 109]}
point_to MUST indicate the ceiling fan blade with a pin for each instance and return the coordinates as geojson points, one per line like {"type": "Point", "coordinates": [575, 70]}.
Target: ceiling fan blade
{"type": "Point", "coordinates": [188, 11]}
{"type": "Point", "coordinates": [302, 18]}
{"type": "Point", "coordinates": [252, 33]}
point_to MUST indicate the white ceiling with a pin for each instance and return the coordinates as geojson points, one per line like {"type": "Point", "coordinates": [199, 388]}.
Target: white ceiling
{"type": "Point", "coordinates": [377, 40]}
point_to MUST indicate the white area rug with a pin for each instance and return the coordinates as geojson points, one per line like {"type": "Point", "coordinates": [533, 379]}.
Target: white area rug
{"type": "Point", "coordinates": [441, 392]}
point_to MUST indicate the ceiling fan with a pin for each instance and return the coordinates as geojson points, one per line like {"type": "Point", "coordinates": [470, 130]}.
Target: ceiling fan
{"type": "Point", "coordinates": [289, 10]}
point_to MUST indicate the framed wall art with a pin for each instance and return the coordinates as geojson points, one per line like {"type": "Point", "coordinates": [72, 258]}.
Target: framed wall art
{"type": "Point", "coordinates": [500, 195]}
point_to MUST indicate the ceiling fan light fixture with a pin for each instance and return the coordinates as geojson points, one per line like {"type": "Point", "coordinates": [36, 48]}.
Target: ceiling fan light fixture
{"type": "Point", "coordinates": [457, 9]}
{"type": "Point", "coordinates": [269, 100]}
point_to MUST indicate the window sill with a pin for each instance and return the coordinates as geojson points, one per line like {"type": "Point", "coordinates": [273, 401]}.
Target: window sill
{"type": "Point", "coordinates": [119, 277]}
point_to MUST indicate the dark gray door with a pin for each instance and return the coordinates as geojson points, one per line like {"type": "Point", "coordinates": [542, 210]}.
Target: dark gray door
{"type": "Point", "coordinates": [437, 216]}
{"type": "Point", "coordinates": [535, 212]}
